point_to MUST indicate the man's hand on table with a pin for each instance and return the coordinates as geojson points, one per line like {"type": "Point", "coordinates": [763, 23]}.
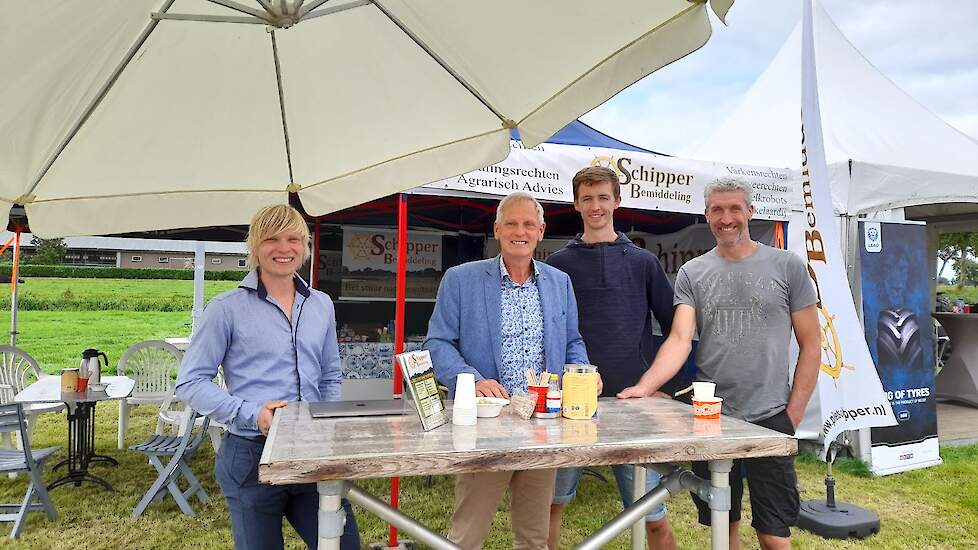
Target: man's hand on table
{"type": "Point", "coordinates": [490, 388]}
{"type": "Point", "coordinates": [265, 414]}
{"type": "Point", "coordinates": [633, 391]}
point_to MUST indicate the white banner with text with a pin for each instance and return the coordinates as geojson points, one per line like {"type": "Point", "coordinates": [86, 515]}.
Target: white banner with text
{"type": "Point", "coordinates": [648, 181]}
{"type": "Point", "coordinates": [849, 390]}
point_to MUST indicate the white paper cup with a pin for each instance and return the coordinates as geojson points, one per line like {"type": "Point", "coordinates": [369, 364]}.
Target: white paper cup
{"type": "Point", "coordinates": [464, 437]}
{"type": "Point", "coordinates": [463, 408]}
{"type": "Point", "coordinates": [704, 390]}
{"type": "Point", "coordinates": [464, 416]}
{"type": "Point", "coordinates": [465, 390]}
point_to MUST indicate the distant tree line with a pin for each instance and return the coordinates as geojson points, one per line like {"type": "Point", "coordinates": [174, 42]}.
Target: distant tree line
{"type": "Point", "coordinates": [963, 249]}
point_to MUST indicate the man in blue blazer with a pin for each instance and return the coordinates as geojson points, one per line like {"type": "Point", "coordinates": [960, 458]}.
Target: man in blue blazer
{"type": "Point", "coordinates": [496, 318]}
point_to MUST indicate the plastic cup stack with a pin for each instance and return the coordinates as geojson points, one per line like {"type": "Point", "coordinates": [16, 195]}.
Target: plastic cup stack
{"type": "Point", "coordinates": [704, 390]}
{"type": "Point", "coordinates": [464, 409]}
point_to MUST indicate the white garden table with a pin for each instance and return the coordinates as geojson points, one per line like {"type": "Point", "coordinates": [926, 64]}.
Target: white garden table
{"type": "Point", "coordinates": [81, 423]}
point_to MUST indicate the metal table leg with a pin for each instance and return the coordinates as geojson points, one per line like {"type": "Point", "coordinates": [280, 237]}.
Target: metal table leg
{"type": "Point", "coordinates": [638, 488]}
{"type": "Point", "coordinates": [720, 503]}
{"type": "Point", "coordinates": [332, 517]}
{"type": "Point", "coordinates": [81, 448]}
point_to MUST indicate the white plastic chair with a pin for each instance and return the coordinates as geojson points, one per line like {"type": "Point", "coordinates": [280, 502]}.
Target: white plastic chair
{"type": "Point", "coordinates": [153, 364]}
{"type": "Point", "coordinates": [19, 370]}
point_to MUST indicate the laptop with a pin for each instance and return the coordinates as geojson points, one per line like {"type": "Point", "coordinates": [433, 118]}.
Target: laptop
{"type": "Point", "coordinates": [374, 407]}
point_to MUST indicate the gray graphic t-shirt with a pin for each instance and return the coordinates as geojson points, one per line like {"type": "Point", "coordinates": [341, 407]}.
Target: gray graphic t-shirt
{"type": "Point", "coordinates": [743, 316]}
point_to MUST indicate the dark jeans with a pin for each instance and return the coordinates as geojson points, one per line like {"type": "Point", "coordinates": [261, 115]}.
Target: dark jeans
{"type": "Point", "coordinates": [257, 510]}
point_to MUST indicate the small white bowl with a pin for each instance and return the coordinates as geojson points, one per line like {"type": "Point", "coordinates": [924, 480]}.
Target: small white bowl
{"type": "Point", "coordinates": [489, 407]}
{"type": "Point", "coordinates": [98, 387]}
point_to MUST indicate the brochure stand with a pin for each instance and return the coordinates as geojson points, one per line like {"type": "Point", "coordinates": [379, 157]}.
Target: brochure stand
{"type": "Point", "coordinates": [419, 376]}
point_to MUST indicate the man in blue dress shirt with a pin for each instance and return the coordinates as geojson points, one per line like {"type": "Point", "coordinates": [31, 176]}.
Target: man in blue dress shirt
{"type": "Point", "coordinates": [496, 318]}
{"type": "Point", "coordinates": [276, 340]}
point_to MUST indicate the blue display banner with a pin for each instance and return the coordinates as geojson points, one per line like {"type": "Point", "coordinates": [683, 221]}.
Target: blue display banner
{"type": "Point", "coordinates": [900, 335]}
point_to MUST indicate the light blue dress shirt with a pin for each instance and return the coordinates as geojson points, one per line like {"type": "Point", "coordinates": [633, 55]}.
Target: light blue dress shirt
{"type": "Point", "coordinates": [521, 316]}
{"type": "Point", "coordinates": [265, 356]}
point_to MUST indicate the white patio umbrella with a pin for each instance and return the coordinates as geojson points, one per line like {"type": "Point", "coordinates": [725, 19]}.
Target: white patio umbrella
{"type": "Point", "coordinates": [129, 115]}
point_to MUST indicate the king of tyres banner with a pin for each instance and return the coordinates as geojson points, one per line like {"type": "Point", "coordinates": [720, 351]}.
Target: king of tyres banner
{"type": "Point", "coordinates": [849, 390]}
{"type": "Point", "coordinates": [893, 268]}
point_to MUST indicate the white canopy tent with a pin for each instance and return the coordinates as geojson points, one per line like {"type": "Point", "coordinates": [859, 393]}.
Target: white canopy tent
{"type": "Point", "coordinates": [884, 150]}
{"type": "Point", "coordinates": [129, 115]}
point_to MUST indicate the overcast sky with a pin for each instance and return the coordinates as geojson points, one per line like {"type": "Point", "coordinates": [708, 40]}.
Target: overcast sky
{"type": "Point", "coordinates": [929, 49]}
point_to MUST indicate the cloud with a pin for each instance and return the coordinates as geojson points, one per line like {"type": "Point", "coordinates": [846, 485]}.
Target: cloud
{"type": "Point", "coordinates": [928, 49]}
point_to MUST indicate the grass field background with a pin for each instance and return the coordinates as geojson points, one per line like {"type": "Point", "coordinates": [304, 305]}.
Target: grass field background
{"type": "Point", "coordinates": [967, 293]}
{"type": "Point", "coordinates": [934, 508]}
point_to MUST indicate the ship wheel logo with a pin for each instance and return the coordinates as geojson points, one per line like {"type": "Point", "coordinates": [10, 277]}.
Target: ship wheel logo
{"type": "Point", "coordinates": [609, 163]}
{"type": "Point", "coordinates": [359, 247]}
{"type": "Point", "coordinates": [832, 364]}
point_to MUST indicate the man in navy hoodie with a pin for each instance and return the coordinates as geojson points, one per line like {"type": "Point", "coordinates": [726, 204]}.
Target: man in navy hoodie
{"type": "Point", "coordinates": [616, 284]}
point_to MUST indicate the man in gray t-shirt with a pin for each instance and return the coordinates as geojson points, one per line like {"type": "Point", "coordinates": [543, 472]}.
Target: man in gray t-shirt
{"type": "Point", "coordinates": [745, 298]}
{"type": "Point", "coordinates": [743, 317]}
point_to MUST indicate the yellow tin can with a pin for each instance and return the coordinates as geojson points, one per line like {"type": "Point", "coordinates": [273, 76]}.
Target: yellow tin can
{"type": "Point", "coordinates": [580, 391]}
{"type": "Point", "coordinates": [69, 380]}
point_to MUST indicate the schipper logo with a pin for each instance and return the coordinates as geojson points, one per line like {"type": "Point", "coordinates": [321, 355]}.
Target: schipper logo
{"type": "Point", "coordinates": [632, 174]}
{"type": "Point", "coordinates": [359, 247]}
{"type": "Point", "coordinates": [379, 248]}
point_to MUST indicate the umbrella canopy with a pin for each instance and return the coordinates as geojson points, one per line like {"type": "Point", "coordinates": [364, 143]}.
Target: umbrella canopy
{"type": "Point", "coordinates": [129, 115]}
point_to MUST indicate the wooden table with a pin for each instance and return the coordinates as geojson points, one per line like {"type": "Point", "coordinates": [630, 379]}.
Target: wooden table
{"type": "Point", "coordinates": [958, 380]}
{"type": "Point", "coordinates": [81, 423]}
{"type": "Point", "coordinates": [301, 449]}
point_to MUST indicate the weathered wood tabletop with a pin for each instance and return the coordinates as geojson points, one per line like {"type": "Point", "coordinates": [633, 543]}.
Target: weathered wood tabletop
{"type": "Point", "coordinates": [301, 449]}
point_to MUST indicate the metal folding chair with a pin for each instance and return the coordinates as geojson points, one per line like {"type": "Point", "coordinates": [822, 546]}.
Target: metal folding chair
{"type": "Point", "coordinates": [180, 449]}
{"type": "Point", "coordinates": [23, 460]}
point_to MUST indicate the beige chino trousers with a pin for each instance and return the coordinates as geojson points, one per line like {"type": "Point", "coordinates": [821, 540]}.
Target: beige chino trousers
{"type": "Point", "coordinates": [477, 498]}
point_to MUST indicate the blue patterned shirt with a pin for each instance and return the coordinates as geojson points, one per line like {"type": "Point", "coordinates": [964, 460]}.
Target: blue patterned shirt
{"type": "Point", "coordinates": [522, 330]}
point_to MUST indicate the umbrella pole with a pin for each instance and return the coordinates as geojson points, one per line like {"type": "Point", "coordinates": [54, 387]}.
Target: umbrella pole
{"type": "Point", "coordinates": [314, 259]}
{"type": "Point", "coordinates": [399, 330]}
{"type": "Point", "coordinates": [13, 290]}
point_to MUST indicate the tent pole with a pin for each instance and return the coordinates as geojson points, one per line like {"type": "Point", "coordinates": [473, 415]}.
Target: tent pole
{"type": "Point", "coordinates": [13, 289]}
{"type": "Point", "coordinates": [402, 200]}
{"type": "Point", "coordinates": [314, 259]}
{"type": "Point", "coordinates": [200, 265]}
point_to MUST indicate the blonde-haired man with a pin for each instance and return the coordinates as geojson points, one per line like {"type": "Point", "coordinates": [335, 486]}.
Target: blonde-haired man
{"type": "Point", "coordinates": [276, 340]}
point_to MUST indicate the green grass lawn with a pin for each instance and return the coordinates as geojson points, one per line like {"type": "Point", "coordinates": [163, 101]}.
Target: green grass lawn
{"type": "Point", "coordinates": [40, 293]}
{"type": "Point", "coordinates": [57, 338]}
{"type": "Point", "coordinates": [52, 287]}
{"type": "Point", "coordinates": [932, 508]}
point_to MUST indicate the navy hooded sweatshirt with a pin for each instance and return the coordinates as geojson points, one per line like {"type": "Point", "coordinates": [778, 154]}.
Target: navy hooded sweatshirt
{"type": "Point", "coordinates": [617, 285]}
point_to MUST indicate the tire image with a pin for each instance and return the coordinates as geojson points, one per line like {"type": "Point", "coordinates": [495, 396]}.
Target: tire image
{"type": "Point", "coordinates": [898, 344]}
{"type": "Point", "coordinates": [898, 338]}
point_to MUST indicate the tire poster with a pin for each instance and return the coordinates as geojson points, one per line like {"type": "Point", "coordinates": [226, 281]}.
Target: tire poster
{"type": "Point", "coordinates": [900, 335]}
